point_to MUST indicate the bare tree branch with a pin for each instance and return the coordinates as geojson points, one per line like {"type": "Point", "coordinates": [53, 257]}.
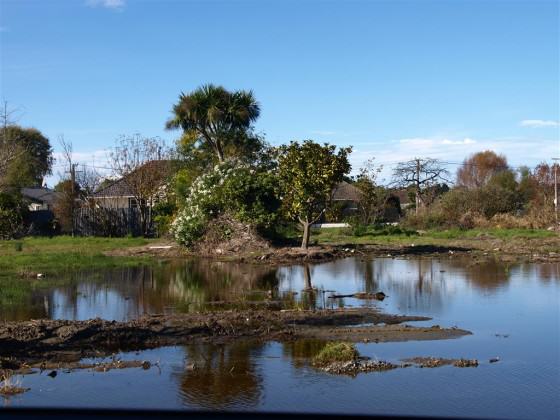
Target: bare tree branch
{"type": "Point", "coordinates": [421, 174]}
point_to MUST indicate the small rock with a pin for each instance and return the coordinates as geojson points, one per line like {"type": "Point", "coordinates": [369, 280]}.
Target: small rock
{"type": "Point", "coordinates": [494, 359]}
{"type": "Point", "coordinates": [191, 366]}
{"type": "Point", "coordinates": [146, 365]}
{"type": "Point", "coordinates": [52, 374]}
{"type": "Point", "coordinates": [40, 275]}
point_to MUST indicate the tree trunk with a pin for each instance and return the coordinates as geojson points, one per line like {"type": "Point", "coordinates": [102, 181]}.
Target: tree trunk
{"type": "Point", "coordinates": [219, 151]}
{"type": "Point", "coordinates": [306, 232]}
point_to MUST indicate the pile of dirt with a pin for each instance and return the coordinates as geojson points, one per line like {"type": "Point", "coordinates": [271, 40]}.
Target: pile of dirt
{"type": "Point", "coordinates": [225, 235]}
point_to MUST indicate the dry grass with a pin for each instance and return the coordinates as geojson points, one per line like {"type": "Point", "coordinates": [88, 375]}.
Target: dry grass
{"type": "Point", "coordinates": [9, 385]}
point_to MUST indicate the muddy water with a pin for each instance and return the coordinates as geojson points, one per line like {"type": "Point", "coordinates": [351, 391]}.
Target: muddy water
{"type": "Point", "coordinates": [512, 310]}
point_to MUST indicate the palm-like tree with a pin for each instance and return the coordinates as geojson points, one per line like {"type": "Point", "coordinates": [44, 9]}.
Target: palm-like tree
{"type": "Point", "coordinates": [215, 115]}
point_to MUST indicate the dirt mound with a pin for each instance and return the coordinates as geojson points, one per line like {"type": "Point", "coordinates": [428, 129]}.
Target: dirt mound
{"type": "Point", "coordinates": [228, 236]}
{"type": "Point", "coordinates": [39, 340]}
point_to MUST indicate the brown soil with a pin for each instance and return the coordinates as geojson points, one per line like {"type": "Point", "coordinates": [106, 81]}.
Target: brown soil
{"type": "Point", "coordinates": [433, 362]}
{"type": "Point", "coordinates": [260, 252]}
{"type": "Point", "coordinates": [227, 236]}
{"type": "Point", "coordinates": [57, 340]}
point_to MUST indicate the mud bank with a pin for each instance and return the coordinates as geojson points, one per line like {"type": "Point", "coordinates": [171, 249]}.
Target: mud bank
{"type": "Point", "coordinates": [57, 340]}
{"type": "Point", "coordinates": [534, 250]}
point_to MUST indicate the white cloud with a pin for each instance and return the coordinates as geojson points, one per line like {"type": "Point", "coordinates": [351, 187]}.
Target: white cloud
{"type": "Point", "coordinates": [459, 142]}
{"type": "Point", "coordinates": [519, 151]}
{"type": "Point", "coordinates": [108, 4]}
{"type": "Point", "coordinates": [539, 123]}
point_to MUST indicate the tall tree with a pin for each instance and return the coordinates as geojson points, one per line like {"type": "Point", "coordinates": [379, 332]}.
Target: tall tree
{"type": "Point", "coordinates": [9, 148]}
{"type": "Point", "coordinates": [143, 165]}
{"type": "Point", "coordinates": [214, 118]}
{"type": "Point", "coordinates": [308, 172]}
{"type": "Point", "coordinates": [479, 168]}
{"type": "Point", "coordinates": [422, 175]}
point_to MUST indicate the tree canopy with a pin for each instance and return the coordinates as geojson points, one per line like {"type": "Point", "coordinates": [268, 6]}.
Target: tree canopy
{"type": "Point", "coordinates": [216, 119]}
{"type": "Point", "coordinates": [308, 172]}
{"type": "Point", "coordinates": [478, 169]}
{"type": "Point", "coordinates": [31, 156]}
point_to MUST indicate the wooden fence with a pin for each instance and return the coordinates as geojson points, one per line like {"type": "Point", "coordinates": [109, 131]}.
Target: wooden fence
{"type": "Point", "coordinates": [110, 222]}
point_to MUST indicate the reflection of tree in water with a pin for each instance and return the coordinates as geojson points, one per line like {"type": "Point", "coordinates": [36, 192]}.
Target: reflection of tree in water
{"type": "Point", "coordinates": [198, 282]}
{"type": "Point", "coordinates": [224, 375]}
{"type": "Point", "coordinates": [487, 274]}
{"type": "Point", "coordinates": [364, 270]}
{"type": "Point", "coordinates": [301, 351]}
{"type": "Point", "coordinates": [114, 294]}
{"type": "Point", "coordinates": [308, 294]}
{"type": "Point", "coordinates": [544, 272]}
{"type": "Point", "coordinates": [19, 302]}
{"type": "Point", "coordinates": [548, 272]}
{"type": "Point", "coordinates": [413, 284]}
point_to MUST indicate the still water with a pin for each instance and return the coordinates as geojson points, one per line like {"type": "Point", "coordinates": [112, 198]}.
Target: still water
{"type": "Point", "coordinates": [512, 310]}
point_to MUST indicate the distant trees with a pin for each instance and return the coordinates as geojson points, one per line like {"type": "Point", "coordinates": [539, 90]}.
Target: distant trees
{"type": "Point", "coordinates": [25, 154]}
{"type": "Point", "coordinates": [33, 159]}
{"type": "Point", "coordinates": [25, 158]}
{"type": "Point", "coordinates": [422, 175]}
{"type": "Point", "coordinates": [215, 119]}
{"type": "Point", "coordinates": [373, 197]}
{"type": "Point", "coordinates": [143, 165]}
{"type": "Point", "coordinates": [478, 169]}
{"type": "Point", "coordinates": [308, 171]}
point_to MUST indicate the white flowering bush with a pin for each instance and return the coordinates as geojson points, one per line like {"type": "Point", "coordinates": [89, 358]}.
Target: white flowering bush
{"type": "Point", "coordinates": [246, 193]}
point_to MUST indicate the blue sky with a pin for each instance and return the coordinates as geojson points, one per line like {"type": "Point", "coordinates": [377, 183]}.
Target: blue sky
{"type": "Point", "coordinates": [394, 79]}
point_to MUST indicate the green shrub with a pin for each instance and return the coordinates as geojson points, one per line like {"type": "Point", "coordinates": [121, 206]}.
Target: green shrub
{"type": "Point", "coordinates": [246, 193]}
{"type": "Point", "coordinates": [336, 352]}
{"type": "Point", "coordinates": [12, 210]}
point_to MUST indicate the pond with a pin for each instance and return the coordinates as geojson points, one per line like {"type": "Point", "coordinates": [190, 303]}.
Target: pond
{"type": "Point", "coordinates": [511, 309]}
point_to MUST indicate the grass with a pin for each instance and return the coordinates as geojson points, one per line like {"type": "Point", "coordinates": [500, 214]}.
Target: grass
{"type": "Point", "coordinates": [63, 253]}
{"type": "Point", "coordinates": [342, 236]}
{"type": "Point", "coordinates": [335, 352]}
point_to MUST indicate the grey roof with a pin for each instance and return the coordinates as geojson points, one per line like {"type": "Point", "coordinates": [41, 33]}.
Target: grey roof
{"type": "Point", "coordinates": [344, 191]}
{"type": "Point", "coordinates": [40, 195]}
{"type": "Point", "coordinates": [120, 188]}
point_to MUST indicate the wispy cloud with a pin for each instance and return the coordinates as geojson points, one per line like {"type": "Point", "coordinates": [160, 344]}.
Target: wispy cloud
{"type": "Point", "coordinates": [323, 132]}
{"type": "Point", "coordinates": [108, 4]}
{"type": "Point", "coordinates": [421, 142]}
{"type": "Point", "coordinates": [539, 123]}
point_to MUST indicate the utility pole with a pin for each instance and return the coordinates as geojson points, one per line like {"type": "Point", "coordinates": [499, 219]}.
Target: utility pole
{"type": "Point", "coordinates": [417, 185]}
{"type": "Point", "coordinates": [73, 192]}
{"type": "Point", "coordinates": [556, 189]}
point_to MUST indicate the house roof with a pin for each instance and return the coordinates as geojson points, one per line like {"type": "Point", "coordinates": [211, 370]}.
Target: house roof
{"type": "Point", "coordinates": [344, 191]}
{"type": "Point", "coordinates": [40, 195]}
{"type": "Point", "coordinates": [120, 188]}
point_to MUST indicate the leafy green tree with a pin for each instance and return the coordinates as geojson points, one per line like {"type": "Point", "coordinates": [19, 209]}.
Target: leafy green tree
{"type": "Point", "coordinates": [32, 162]}
{"type": "Point", "coordinates": [215, 119]}
{"type": "Point", "coordinates": [308, 172]}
